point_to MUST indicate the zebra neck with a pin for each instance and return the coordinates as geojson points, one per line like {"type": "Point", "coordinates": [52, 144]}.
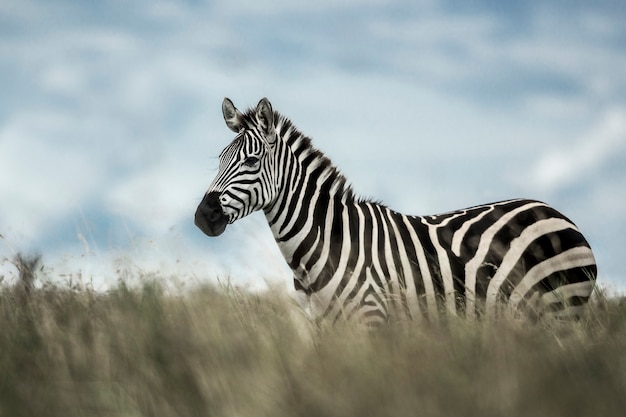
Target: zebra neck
{"type": "Point", "coordinates": [301, 218]}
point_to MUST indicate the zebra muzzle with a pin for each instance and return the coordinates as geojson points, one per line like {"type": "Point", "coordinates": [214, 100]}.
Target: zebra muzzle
{"type": "Point", "coordinates": [210, 217]}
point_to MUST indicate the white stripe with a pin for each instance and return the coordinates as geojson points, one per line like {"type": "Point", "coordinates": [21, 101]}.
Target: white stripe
{"type": "Point", "coordinates": [287, 224]}
{"type": "Point", "coordinates": [322, 299]}
{"type": "Point", "coordinates": [317, 268]}
{"type": "Point", "coordinates": [307, 256]}
{"type": "Point", "coordinates": [565, 292]}
{"type": "Point", "coordinates": [431, 298]}
{"type": "Point", "coordinates": [576, 257]}
{"type": "Point", "coordinates": [387, 251]}
{"type": "Point", "coordinates": [378, 270]}
{"type": "Point", "coordinates": [458, 236]}
{"type": "Point", "coordinates": [567, 313]}
{"type": "Point", "coordinates": [354, 274]}
{"type": "Point", "coordinates": [355, 304]}
{"type": "Point", "coordinates": [445, 270]}
{"type": "Point", "coordinates": [406, 271]}
{"type": "Point", "coordinates": [471, 268]}
{"type": "Point", "coordinates": [517, 248]}
{"type": "Point", "coordinates": [292, 244]}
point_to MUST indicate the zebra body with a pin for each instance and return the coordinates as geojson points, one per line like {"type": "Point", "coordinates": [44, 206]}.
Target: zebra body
{"type": "Point", "coordinates": [357, 258]}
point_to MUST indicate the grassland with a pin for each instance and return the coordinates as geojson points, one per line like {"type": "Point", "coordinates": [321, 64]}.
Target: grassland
{"type": "Point", "coordinates": [142, 350]}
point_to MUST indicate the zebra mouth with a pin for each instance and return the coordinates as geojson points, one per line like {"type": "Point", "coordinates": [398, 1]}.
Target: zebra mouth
{"type": "Point", "coordinates": [210, 217]}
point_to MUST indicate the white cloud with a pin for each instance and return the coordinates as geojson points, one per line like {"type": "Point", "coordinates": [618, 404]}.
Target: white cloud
{"type": "Point", "coordinates": [439, 46]}
{"type": "Point", "coordinates": [168, 10]}
{"type": "Point", "coordinates": [64, 79]}
{"type": "Point", "coordinates": [261, 8]}
{"type": "Point", "coordinates": [43, 175]}
{"type": "Point", "coordinates": [158, 197]}
{"type": "Point", "coordinates": [24, 10]}
{"type": "Point", "coordinates": [564, 166]}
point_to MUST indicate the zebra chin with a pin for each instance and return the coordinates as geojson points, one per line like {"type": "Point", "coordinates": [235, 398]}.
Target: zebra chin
{"type": "Point", "coordinates": [210, 217]}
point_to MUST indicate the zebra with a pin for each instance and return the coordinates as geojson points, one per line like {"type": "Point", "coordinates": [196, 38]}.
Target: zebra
{"type": "Point", "coordinates": [356, 258]}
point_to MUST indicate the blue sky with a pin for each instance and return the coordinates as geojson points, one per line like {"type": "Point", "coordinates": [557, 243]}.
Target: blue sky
{"type": "Point", "coordinates": [110, 119]}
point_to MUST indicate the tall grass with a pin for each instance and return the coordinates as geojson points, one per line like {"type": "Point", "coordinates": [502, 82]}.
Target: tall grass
{"type": "Point", "coordinates": [214, 351]}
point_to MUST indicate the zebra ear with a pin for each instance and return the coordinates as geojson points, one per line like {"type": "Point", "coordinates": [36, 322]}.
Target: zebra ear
{"type": "Point", "coordinates": [232, 116]}
{"type": "Point", "coordinates": [265, 116]}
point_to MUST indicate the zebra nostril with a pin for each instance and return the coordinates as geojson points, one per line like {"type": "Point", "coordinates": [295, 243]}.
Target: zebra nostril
{"type": "Point", "coordinates": [210, 217]}
{"type": "Point", "coordinates": [214, 213]}
{"type": "Point", "coordinates": [211, 206]}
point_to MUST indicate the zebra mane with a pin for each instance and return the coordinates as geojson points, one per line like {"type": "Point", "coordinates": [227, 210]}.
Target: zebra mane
{"type": "Point", "coordinates": [303, 145]}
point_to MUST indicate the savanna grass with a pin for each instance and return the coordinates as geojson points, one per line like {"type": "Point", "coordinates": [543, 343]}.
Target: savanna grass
{"type": "Point", "coordinates": [215, 351]}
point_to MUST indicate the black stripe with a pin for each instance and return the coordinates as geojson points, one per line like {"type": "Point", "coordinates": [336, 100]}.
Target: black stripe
{"type": "Point", "coordinates": [335, 248]}
{"type": "Point", "coordinates": [476, 230]}
{"type": "Point", "coordinates": [305, 189]}
{"type": "Point", "coordinates": [432, 260]}
{"type": "Point", "coordinates": [558, 279]}
{"type": "Point", "coordinates": [411, 253]}
{"type": "Point", "coordinates": [318, 227]}
{"type": "Point", "coordinates": [353, 255]}
{"type": "Point", "coordinates": [382, 260]}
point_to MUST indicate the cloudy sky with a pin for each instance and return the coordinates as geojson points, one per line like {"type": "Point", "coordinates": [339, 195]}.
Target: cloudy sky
{"type": "Point", "coordinates": [110, 120]}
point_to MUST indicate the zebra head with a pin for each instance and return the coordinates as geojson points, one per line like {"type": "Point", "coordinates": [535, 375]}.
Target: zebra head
{"type": "Point", "coordinates": [245, 180]}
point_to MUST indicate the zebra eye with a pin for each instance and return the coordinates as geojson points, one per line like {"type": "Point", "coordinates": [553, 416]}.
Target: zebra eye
{"type": "Point", "coordinates": [251, 161]}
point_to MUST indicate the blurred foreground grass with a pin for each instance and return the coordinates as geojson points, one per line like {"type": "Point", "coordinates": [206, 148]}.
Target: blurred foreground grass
{"type": "Point", "coordinates": [214, 351]}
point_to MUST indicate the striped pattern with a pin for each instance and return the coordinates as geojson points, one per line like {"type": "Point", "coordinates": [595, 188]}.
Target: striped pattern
{"type": "Point", "coordinates": [356, 258]}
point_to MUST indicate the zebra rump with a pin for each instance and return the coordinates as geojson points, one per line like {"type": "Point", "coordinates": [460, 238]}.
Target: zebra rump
{"type": "Point", "coordinates": [357, 258]}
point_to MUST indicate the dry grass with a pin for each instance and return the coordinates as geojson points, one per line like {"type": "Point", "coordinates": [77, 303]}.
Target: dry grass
{"type": "Point", "coordinates": [143, 351]}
